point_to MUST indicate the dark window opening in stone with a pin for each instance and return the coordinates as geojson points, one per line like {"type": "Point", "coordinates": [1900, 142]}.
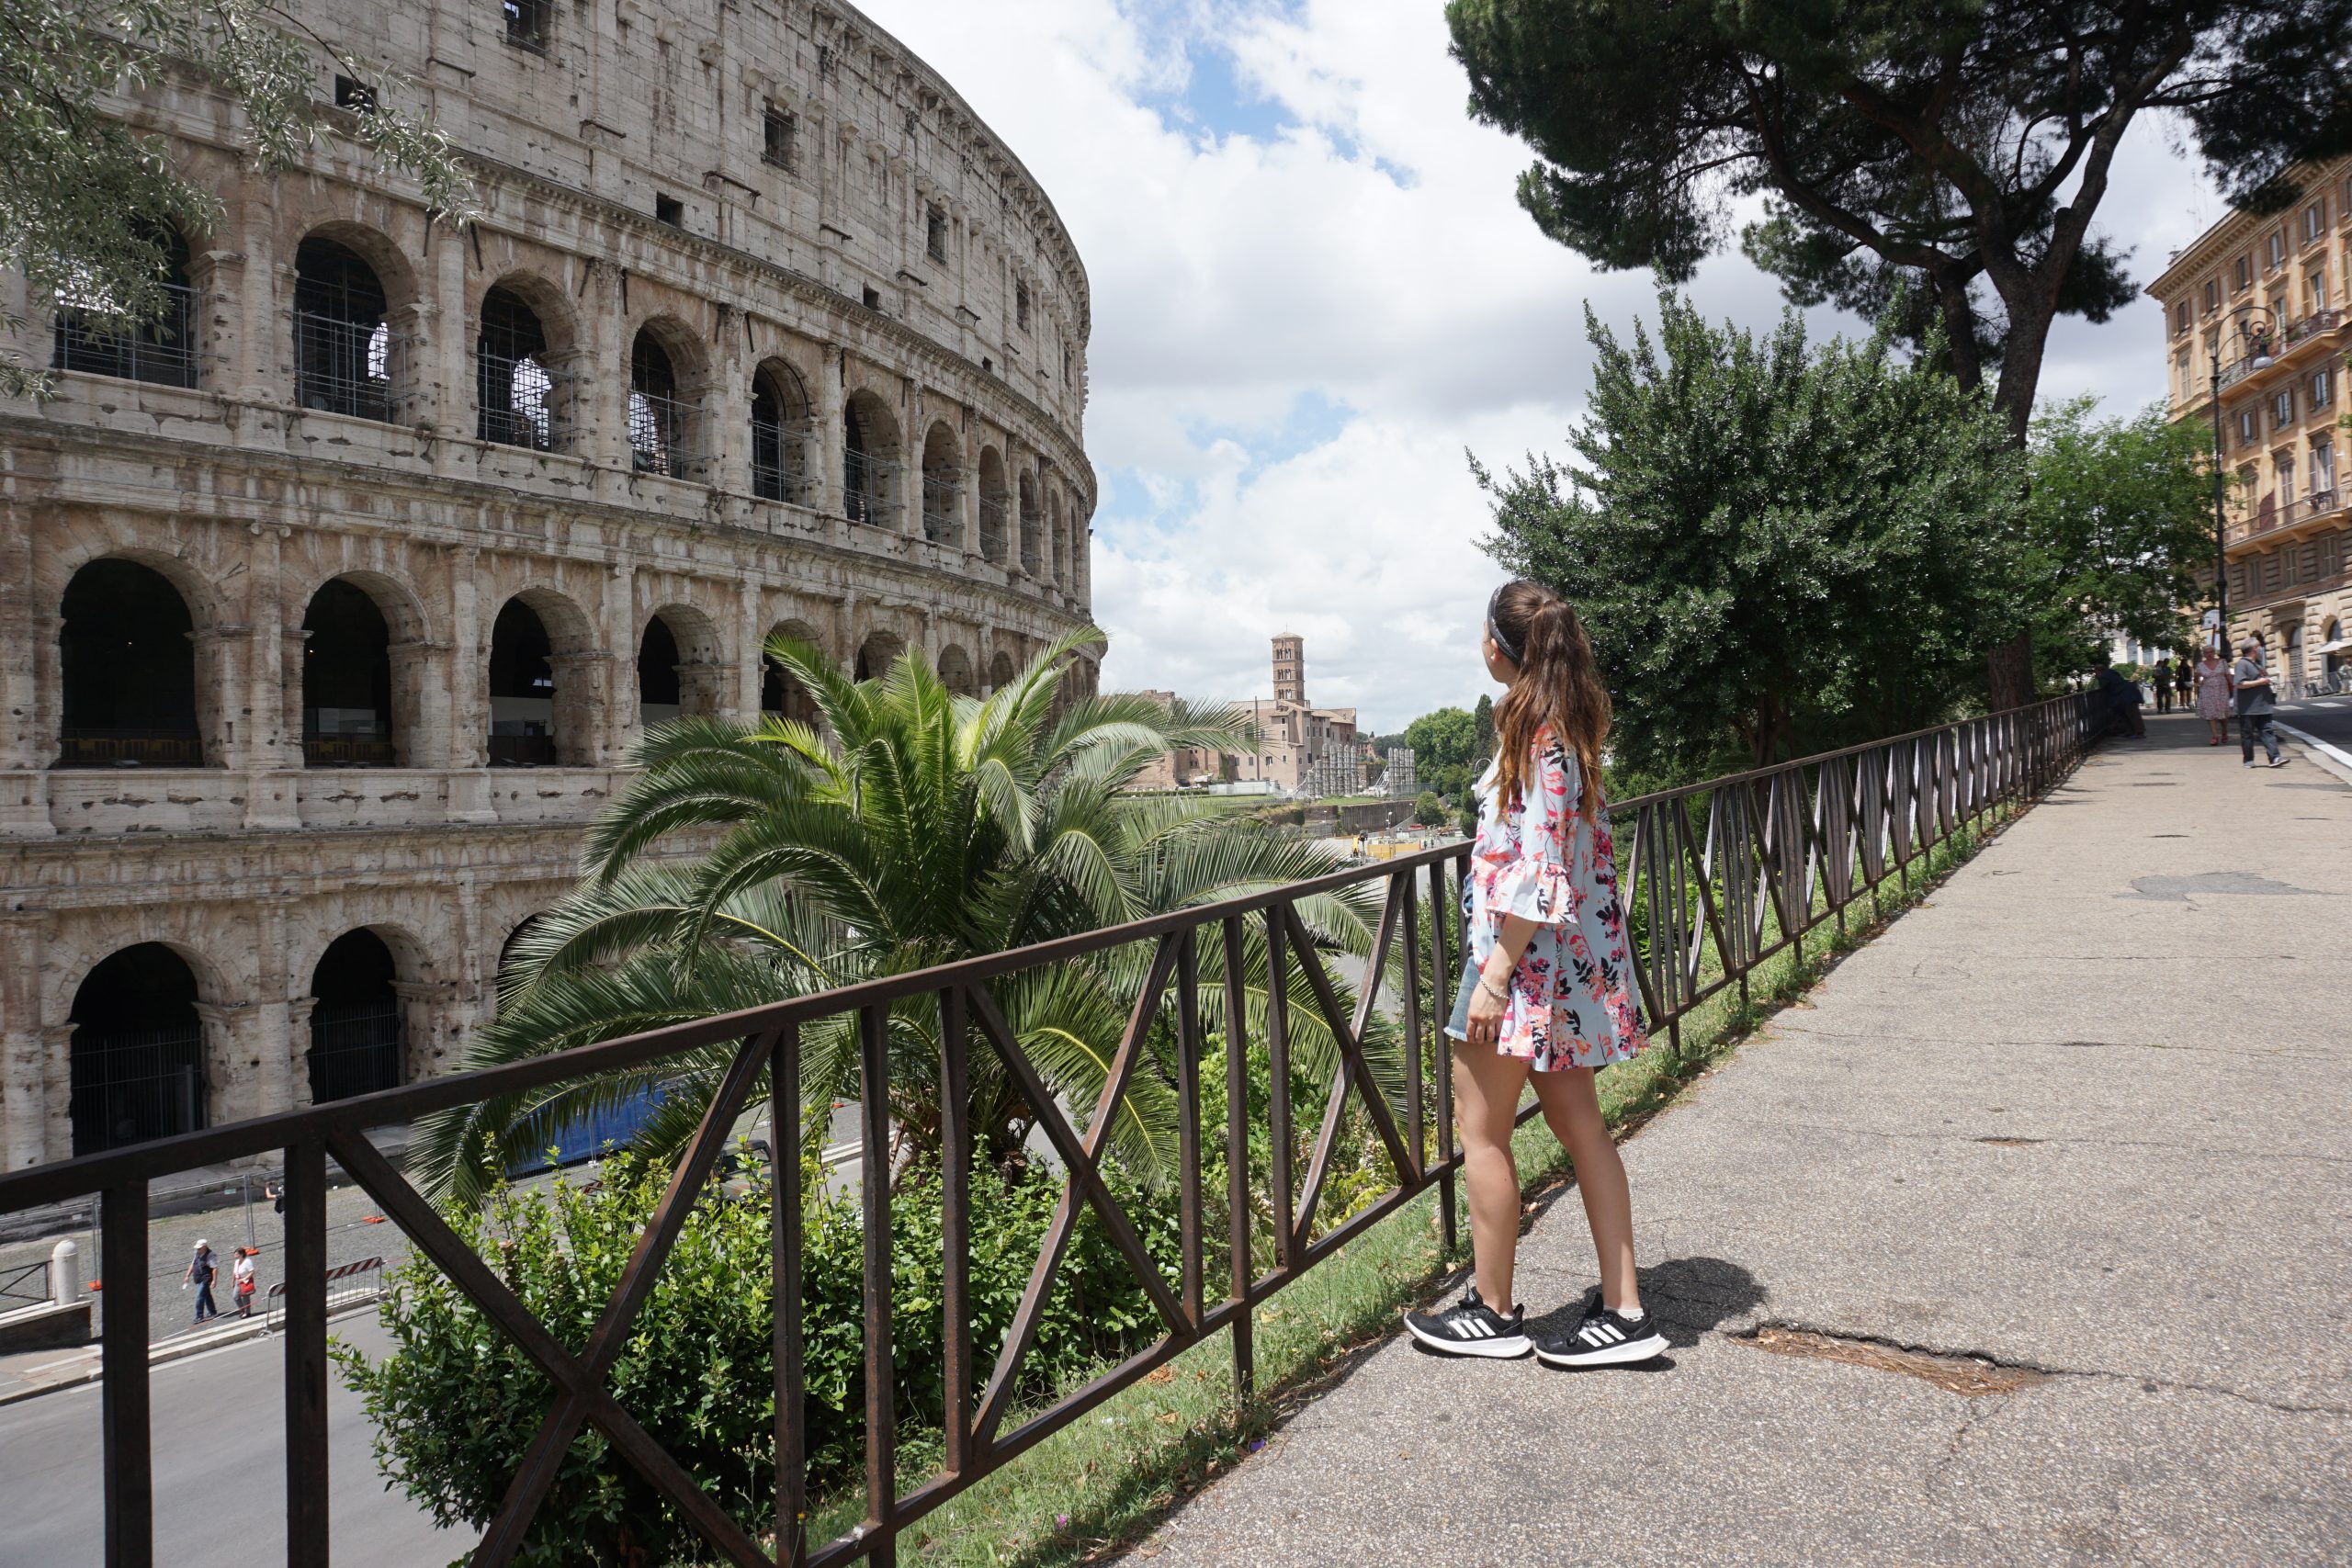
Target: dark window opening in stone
{"type": "Point", "coordinates": [162, 351]}
{"type": "Point", "coordinates": [346, 680]}
{"type": "Point", "coordinates": [783, 133]}
{"type": "Point", "coordinates": [137, 1052]}
{"type": "Point", "coordinates": [1033, 527]}
{"type": "Point", "coordinates": [1020, 306]}
{"type": "Point", "coordinates": [864, 469]}
{"type": "Point", "coordinates": [872, 297]}
{"type": "Point", "coordinates": [877, 654]}
{"type": "Point", "coordinates": [513, 390]}
{"type": "Point", "coordinates": [658, 698]}
{"type": "Point", "coordinates": [355, 1045]}
{"type": "Point", "coordinates": [343, 342]}
{"type": "Point", "coordinates": [670, 210]}
{"type": "Point", "coordinates": [935, 233]}
{"type": "Point", "coordinates": [780, 436]}
{"type": "Point", "coordinates": [352, 94]}
{"type": "Point", "coordinates": [127, 658]}
{"type": "Point", "coordinates": [659, 424]}
{"type": "Point", "coordinates": [942, 494]}
{"type": "Point", "coordinates": [528, 23]}
{"type": "Point", "coordinates": [522, 690]}
{"type": "Point", "coordinates": [995, 528]}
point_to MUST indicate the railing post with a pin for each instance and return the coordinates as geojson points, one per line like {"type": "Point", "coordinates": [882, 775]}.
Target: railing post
{"type": "Point", "coordinates": [1415, 1045]}
{"type": "Point", "coordinates": [1238, 1267]}
{"type": "Point", "coordinates": [1278, 1088]}
{"type": "Point", "coordinates": [783, 1237]}
{"type": "Point", "coordinates": [1188, 1131]}
{"type": "Point", "coordinates": [306, 1355]}
{"type": "Point", "coordinates": [1442, 986]}
{"type": "Point", "coordinates": [124, 1432]}
{"type": "Point", "coordinates": [956, 1224]}
{"type": "Point", "coordinates": [881, 1384]}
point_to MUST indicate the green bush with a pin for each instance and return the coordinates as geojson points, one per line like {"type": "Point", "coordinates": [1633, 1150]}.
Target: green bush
{"type": "Point", "coordinates": [455, 1405]}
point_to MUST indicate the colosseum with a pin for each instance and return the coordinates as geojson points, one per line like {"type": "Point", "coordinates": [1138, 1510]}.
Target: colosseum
{"type": "Point", "coordinates": [331, 609]}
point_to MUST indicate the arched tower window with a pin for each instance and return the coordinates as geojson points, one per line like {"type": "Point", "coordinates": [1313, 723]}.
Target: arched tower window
{"type": "Point", "coordinates": [137, 1051]}
{"type": "Point", "coordinates": [126, 655]}
{"type": "Point", "coordinates": [515, 392]}
{"type": "Point", "coordinates": [660, 425]}
{"type": "Point", "coordinates": [522, 690]}
{"type": "Point", "coordinates": [869, 462]}
{"type": "Point", "coordinates": [162, 351]}
{"type": "Point", "coordinates": [996, 527]}
{"type": "Point", "coordinates": [343, 348]}
{"type": "Point", "coordinates": [780, 435]}
{"type": "Point", "coordinates": [1032, 528]}
{"type": "Point", "coordinates": [942, 486]}
{"type": "Point", "coordinates": [346, 680]}
{"type": "Point", "coordinates": [355, 1045]}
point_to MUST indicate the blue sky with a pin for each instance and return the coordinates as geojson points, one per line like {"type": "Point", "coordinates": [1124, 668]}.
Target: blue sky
{"type": "Point", "coordinates": [1312, 291]}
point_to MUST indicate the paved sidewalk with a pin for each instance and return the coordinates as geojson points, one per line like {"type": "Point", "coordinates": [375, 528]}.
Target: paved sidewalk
{"type": "Point", "coordinates": [2088, 1112]}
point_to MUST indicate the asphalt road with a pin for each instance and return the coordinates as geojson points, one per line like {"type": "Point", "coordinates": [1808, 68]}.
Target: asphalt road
{"type": "Point", "coordinates": [2330, 718]}
{"type": "Point", "coordinates": [219, 1472]}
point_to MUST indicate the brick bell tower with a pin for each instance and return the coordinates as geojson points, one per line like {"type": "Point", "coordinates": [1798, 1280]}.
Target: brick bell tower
{"type": "Point", "coordinates": [1290, 669]}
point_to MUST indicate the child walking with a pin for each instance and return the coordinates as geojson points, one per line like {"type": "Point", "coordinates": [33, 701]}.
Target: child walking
{"type": "Point", "coordinates": [1549, 991]}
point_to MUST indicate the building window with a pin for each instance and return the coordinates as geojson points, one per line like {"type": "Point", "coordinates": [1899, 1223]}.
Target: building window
{"type": "Point", "coordinates": [528, 23]}
{"type": "Point", "coordinates": [353, 95]}
{"type": "Point", "coordinates": [871, 298]}
{"type": "Point", "coordinates": [2322, 388]}
{"type": "Point", "coordinates": [2282, 409]}
{"type": "Point", "coordinates": [2284, 467]}
{"type": "Point", "coordinates": [2180, 318]}
{"type": "Point", "coordinates": [514, 390]}
{"type": "Point", "coordinates": [2314, 222]}
{"type": "Point", "coordinates": [2315, 287]}
{"type": "Point", "coordinates": [2323, 466]}
{"type": "Point", "coordinates": [1020, 306]}
{"type": "Point", "coordinates": [827, 68]}
{"type": "Point", "coordinates": [781, 129]}
{"type": "Point", "coordinates": [670, 210]}
{"type": "Point", "coordinates": [162, 351]}
{"type": "Point", "coordinates": [2249, 428]}
{"type": "Point", "coordinates": [344, 346]}
{"type": "Point", "coordinates": [2278, 249]}
{"type": "Point", "coordinates": [661, 425]}
{"type": "Point", "coordinates": [2242, 275]}
{"type": "Point", "coordinates": [934, 240]}
{"type": "Point", "coordinates": [2212, 295]}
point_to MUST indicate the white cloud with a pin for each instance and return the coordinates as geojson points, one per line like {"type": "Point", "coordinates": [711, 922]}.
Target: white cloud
{"type": "Point", "coordinates": [1297, 332]}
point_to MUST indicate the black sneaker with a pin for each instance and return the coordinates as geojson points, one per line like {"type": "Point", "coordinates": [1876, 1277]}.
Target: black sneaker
{"type": "Point", "coordinates": [1605, 1338]}
{"type": "Point", "coordinates": [1471, 1328]}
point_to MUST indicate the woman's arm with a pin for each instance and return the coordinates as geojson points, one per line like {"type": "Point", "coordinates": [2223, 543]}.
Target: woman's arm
{"type": "Point", "coordinates": [1494, 979]}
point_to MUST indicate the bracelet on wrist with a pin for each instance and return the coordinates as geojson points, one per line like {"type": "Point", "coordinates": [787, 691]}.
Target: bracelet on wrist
{"type": "Point", "coordinates": [1498, 992]}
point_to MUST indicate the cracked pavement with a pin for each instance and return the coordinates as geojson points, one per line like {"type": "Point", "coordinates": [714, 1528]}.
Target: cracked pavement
{"type": "Point", "coordinates": [2045, 1120]}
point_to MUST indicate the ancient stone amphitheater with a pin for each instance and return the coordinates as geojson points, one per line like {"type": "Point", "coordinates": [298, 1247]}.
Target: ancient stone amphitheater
{"type": "Point", "coordinates": [330, 611]}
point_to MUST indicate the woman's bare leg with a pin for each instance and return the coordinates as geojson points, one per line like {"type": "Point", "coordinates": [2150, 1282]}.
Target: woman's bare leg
{"type": "Point", "coordinates": [1572, 1109]}
{"type": "Point", "coordinates": [1485, 1099]}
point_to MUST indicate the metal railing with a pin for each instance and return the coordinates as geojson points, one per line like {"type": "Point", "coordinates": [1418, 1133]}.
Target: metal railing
{"type": "Point", "coordinates": [165, 353]}
{"type": "Point", "coordinates": [941, 498]}
{"type": "Point", "coordinates": [87, 747]}
{"type": "Point", "coordinates": [522, 752]}
{"type": "Point", "coordinates": [345, 366]}
{"type": "Point", "coordinates": [992, 528]}
{"type": "Point", "coordinates": [868, 487]}
{"type": "Point", "coordinates": [349, 751]}
{"type": "Point", "coordinates": [27, 1285]}
{"type": "Point", "coordinates": [1717, 878]}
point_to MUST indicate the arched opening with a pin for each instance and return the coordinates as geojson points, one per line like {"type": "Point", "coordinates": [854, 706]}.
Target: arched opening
{"type": "Point", "coordinates": [2293, 660]}
{"type": "Point", "coordinates": [943, 499]}
{"type": "Point", "coordinates": [659, 699]}
{"type": "Point", "coordinates": [356, 1035]}
{"type": "Point", "coordinates": [126, 660]}
{"type": "Point", "coordinates": [2335, 659]}
{"type": "Point", "coordinates": [869, 462]}
{"type": "Point", "coordinates": [343, 349]}
{"type": "Point", "coordinates": [781, 431]}
{"type": "Point", "coordinates": [137, 1052]}
{"type": "Point", "coordinates": [999, 672]}
{"type": "Point", "coordinates": [781, 695]}
{"type": "Point", "coordinates": [162, 351]}
{"type": "Point", "coordinates": [515, 392]}
{"type": "Point", "coordinates": [877, 653]}
{"type": "Point", "coordinates": [995, 529]}
{"type": "Point", "coordinates": [955, 671]}
{"type": "Point", "coordinates": [1031, 527]}
{"type": "Point", "coordinates": [661, 425]}
{"type": "Point", "coordinates": [346, 680]}
{"type": "Point", "coordinates": [522, 690]}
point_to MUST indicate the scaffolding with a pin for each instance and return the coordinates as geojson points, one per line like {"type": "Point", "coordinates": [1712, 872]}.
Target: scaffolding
{"type": "Point", "coordinates": [780, 466]}
{"type": "Point", "coordinates": [162, 352]}
{"type": "Point", "coordinates": [941, 502]}
{"type": "Point", "coordinates": [662, 435]}
{"type": "Point", "coordinates": [992, 526]}
{"type": "Point", "coordinates": [869, 489]}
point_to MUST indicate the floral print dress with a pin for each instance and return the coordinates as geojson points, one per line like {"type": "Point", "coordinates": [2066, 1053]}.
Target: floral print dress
{"type": "Point", "coordinates": [1573, 999]}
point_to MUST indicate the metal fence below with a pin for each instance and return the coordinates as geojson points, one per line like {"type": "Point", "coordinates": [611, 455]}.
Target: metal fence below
{"type": "Point", "coordinates": [1716, 879]}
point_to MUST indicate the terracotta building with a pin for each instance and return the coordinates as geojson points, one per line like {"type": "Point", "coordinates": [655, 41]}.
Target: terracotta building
{"type": "Point", "coordinates": [329, 614]}
{"type": "Point", "coordinates": [1296, 748]}
{"type": "Point", "coordinates": [2254, 312]}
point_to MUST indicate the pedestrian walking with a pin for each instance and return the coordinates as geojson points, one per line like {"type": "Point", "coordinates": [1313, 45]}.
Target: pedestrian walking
{"type": "Point", "coordinates": [2184, 681]}
{"type": "Point", "coordinates": [241, 1275]}
{"type": "Point", "coordinates": [2214, 694]}
{"type": "Point", "coordinates": [201, 1271]}
{"type": "Point", "coordinates": [1547, 994]}
{"type": "Point", "coordinates": [2119, 698]}
{"type": "Point", "coordinates": [2250, 678]}
{"type": "Point", "coordinates": [2161, 679]}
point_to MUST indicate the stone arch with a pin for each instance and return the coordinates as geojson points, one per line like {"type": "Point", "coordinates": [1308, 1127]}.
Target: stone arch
{"type": "Point", "coordinates": [137, 1057]}
{"type": "Point", "coordinates": [1001, 672]}
{"type": "Point", "coordinates": [782, 695]}
{"type": "Point", "coordinates": [667, 364]}
{"type": "Point", "coordinates": [138, 683]}
{"type": "Point", "coordinates": [358, 1032]}
{"type": "Point", "coordinates": [877, 653]}
{"type": "Point", "coordinates": [681, 666]}
{"type": "Point", "coordinates": [995, 523]}
{"type": "Point", "coordinates": [955, 671]}
{"type": "Point", "coordinates": [1031, 527]}
{"type": "Point", "coordinates": [943, 481]}
{"type": "Point", "coordinates": [351, 285]}
{"type": "Point", "coordinates": [162, 352]}
{"type": "Point", "coordinates": [783, 434]}
{"type": "Point", "coordinates": [870, 460]}
{"type": "Point", "coordinates": [359, 687]}
{"type": "Point", "coordinates": [527, 352]}
{"type": "Point", "coordinates": [542, 702]}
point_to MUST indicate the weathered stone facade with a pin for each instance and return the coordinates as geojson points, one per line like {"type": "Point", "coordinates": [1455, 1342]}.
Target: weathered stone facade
{"type": "Point", "coordinates": [781, 199]}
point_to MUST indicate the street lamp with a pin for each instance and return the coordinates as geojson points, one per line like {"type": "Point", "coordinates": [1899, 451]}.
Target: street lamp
{"type": "Point", "coordinates": [2255, 328]}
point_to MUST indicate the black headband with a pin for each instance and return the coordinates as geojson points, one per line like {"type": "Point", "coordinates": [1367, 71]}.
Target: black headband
{"type": "Point", "coordinates": [1509, 648]}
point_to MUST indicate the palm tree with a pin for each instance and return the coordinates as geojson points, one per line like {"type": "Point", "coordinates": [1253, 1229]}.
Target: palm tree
{"type": "Point", "coordinates": [909, 827]}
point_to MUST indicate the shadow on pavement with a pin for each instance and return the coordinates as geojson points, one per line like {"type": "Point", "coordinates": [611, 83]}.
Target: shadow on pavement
{"type": "Point", "coordinates": [1691, 1296]}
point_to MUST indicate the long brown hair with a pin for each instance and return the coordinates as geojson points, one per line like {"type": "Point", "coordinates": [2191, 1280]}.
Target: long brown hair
{"type": "Point", "coordinates": [1557, 685]}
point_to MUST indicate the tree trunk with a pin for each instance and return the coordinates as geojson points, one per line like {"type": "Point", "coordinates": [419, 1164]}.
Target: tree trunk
{"type": "Point", "coordinates": [2009, 670]}
{"type": "Point", "coordinates": [2008, 666]}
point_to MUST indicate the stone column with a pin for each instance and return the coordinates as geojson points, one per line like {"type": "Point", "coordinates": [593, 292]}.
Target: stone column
{"type": "Point", "coordinates": [430, 1026]}
{"type": "Point", "coordinates": [272, 727]}
{"type": "Point", "coordinates": [270, 1031]}
{"type": "Point", "coordinates": [232, 1056]}
{"type": "Point", "coordinates": [600, 397]}
{"type": "Point", "coordinates": [23, 1079]}
{"type": "Point", "coordinates": [831, 396]}
{"type": "Point", "coordinates": [726, 408]}
{"type": "Point", "coordinates": [618, 626]}
{"type": "Point", "coordinates": [56, 1070]}
{"type": "Point", "coordinates": [296, 1066]}
{"type": "Point", "coordinates": [448, 402]}
{"type": "Point", "coordinates": [24, 785]}
{"type": "Point", "coordinates": [751, 670]}
{"type": "Point", "coordinates": [261, 368]}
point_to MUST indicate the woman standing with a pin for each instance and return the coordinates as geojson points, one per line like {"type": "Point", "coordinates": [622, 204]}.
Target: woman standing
{"type": "Point", "coordinates": [2214, 692]}
{"type": "Point", "coordinates": [1548, 990]}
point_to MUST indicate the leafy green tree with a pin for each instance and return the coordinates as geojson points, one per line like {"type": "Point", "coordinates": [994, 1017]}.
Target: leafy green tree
{"type": "Point", "coordinates": [1774, 545]}
{"type": "Point", "coordinates": [1442, 742]}
{"type": "Point", "coordinates": [82, 192]}
{"type": "Point", "coordinates": [1428, 810]}
{"type": "Point", "coordinates": [912, 828]}
{"type": "Point", "coordinates": [1482, 746]}
{"type": "Point", "coordinates": [1963, 144]}
{"type": "Point", "coordinates": [2118, 518]}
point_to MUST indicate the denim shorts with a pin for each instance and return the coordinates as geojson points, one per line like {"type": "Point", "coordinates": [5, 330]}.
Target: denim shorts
{"type": "Point", "coordinates": [1458, 1026]}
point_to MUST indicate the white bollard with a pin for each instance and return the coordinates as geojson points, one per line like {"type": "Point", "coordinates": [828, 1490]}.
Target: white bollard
{"type": "Point", "coordinates": [60, 1274]}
